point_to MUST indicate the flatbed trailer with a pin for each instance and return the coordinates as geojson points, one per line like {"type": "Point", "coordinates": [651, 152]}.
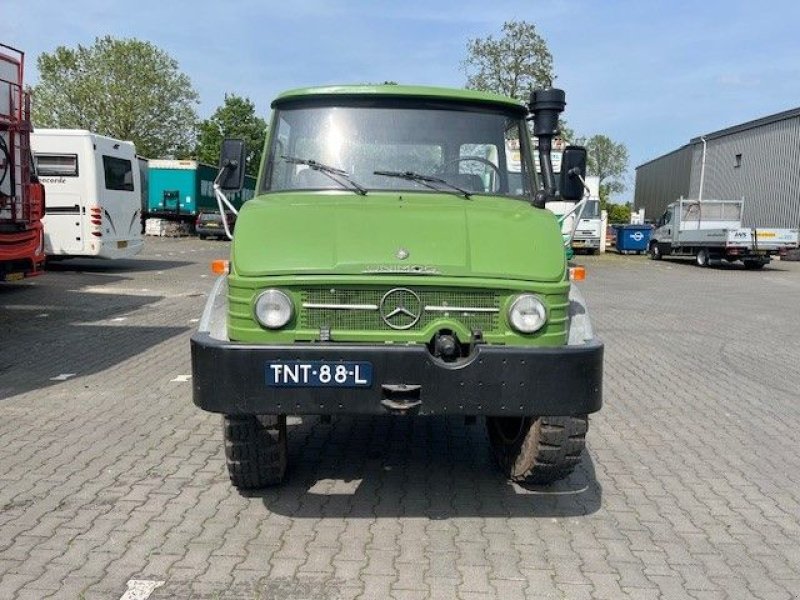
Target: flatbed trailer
{"type": "Point", "coordinates": [712, 230]}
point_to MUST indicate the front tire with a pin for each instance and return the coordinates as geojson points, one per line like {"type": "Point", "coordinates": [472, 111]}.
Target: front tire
{"type": "Point", "coordinates": [256, 450]}
{"type": "Point", "coordinates": [655, 251]}
{"type": "Point", "coordinates": [537, 450]}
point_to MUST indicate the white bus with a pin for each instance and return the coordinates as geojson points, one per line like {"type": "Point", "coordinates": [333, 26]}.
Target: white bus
{"type": "Point", "coordinates": [93, 194]}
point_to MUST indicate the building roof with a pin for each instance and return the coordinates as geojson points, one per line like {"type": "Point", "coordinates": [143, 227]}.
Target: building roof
{"type": "Point", "coordinates": [781, 116]}
{"type": "Point", "coordinates": [644, 164]}
{"type": "Point", "coordinates": [760, 122]}
{"type": "Point", "coordinates": [402, 91]}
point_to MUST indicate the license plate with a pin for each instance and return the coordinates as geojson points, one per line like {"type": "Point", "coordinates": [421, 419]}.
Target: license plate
{"type": "Point", "coordinates": [578, 243]}
{"type": "Point", "coordinates": [122, 244]}
{"type": "Point", "coordinates": [318, 373]}
{"type": "Point", "coordinates": [14, 276]}
{"type": "Point", "coordinates": [211, 225]}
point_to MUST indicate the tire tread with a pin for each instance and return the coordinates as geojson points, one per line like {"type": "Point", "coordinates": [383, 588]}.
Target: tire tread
{"type": "Point", "coordinates": [255, 451]}
{"type": "Point", "coordinates": [550, 450]}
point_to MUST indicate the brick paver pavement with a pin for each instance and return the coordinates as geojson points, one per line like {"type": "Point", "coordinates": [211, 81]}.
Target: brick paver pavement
{"type": "Point", "coordinates": [108, 473]}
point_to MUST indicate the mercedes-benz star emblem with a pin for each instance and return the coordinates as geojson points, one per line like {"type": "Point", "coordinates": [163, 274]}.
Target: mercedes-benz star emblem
{"type": "Point", "coordinates": [400, 308]}
{"type": "Point", "coordinates": [401, 254]}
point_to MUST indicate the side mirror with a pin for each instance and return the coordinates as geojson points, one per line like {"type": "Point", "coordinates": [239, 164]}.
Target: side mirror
{"type": "Point", "coordinates": [573, 173]}
{"type": "Point", "coordinates": [232, 165]}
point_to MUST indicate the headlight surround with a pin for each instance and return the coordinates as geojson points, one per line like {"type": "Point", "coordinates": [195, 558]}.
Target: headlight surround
{"type": "Point", "coordinates": [527, 314]}
{"type": "Point", "coordinates": [273, 309]}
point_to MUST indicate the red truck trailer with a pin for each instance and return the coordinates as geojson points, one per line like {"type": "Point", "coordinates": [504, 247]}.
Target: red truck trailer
{"type": "Point", "coordinates": [21, 194]}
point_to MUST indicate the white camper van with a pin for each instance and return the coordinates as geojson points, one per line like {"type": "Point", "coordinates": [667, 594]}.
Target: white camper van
{"type": "Point", "coordinates": [93, 193]}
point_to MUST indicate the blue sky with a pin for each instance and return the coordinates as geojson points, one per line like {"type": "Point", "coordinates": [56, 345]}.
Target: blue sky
{"type": "Point", "coordinates": [649, 74]}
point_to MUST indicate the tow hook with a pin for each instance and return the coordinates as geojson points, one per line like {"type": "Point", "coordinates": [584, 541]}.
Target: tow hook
{"type": "Point", "coordinates": [401, 398]}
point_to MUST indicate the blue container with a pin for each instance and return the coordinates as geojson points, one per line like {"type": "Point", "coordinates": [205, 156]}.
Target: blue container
{"type": "Point", "coordinates": [633, 238]}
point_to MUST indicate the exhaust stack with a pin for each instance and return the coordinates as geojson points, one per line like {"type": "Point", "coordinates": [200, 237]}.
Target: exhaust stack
{"type": "Point", "coordinates": [545, 106]}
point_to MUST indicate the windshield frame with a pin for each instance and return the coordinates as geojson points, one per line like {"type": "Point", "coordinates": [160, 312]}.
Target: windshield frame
{"type": "Point", "coordinates": [272, 152]}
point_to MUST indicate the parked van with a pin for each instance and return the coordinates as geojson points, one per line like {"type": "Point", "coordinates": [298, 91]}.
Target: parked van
{"type": "Point", "coordinates": [93, 188]}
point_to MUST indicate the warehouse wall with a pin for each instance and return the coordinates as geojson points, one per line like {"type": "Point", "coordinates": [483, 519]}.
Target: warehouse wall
{"type": "Point", "coordinates": [662, 181]}
{"type": "Point", "coordinates": [766, 175]}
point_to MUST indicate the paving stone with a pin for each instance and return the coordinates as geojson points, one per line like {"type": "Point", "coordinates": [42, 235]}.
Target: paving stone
{"type": "Point", "coordinates": [688, 489]}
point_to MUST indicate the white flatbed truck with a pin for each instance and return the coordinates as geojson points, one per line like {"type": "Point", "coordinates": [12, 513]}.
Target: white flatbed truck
{"type": "Point", "coordinates": [711, 230]}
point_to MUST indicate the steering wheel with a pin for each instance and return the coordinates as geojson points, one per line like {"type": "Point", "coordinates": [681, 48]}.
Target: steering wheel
{"type": "Point", "coordinates": [479, 159]}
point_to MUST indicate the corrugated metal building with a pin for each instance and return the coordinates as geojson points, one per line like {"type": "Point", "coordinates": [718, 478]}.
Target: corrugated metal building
{"type": "Point", "coordinates": [758, 161]}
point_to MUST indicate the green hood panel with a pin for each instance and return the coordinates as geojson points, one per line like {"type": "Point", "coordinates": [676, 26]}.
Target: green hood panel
{"type": "Point", "coordinates": [444, 234]}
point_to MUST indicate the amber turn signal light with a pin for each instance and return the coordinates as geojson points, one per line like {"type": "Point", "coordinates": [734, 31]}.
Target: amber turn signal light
{"type": "Point", "coordinates": [577, 273]}
{"type": "Point", "coordinates": [220, 267]}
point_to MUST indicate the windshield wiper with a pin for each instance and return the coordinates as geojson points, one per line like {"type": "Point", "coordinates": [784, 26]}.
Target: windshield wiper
{"type": "Point", "coordinates": [331, 172]}
{"type": "Point", "coordinates": [425, 180]}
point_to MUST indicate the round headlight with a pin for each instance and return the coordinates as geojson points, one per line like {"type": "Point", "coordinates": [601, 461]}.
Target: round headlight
{"type": "Point", "coordinates": [273, 309]}
{"type": "Point", "coordinates": [527, 314]}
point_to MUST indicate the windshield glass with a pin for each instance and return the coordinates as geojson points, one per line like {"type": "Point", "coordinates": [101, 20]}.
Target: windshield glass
{"type": "Point", "coordinates": [591, 210]}
{"type": "Point", "coordinates": [464, 147]}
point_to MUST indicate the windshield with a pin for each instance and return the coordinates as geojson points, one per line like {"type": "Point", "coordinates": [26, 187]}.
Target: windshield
{"type": "Point", "coordinates": [591, 210]}
{"type": "Point", "coordinates": [464, 148]}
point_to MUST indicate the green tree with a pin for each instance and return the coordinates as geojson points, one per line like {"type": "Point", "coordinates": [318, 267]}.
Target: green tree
{"type": "Point", "coordinates": [514, 65]}
{"type": "Point", "coordinates": [235, 118]}
{"type": "Point", "coordinates": [619, 213]}
{"type": "Point", "coordinates": [124, 88]}
{"type": "Point", "coordinates": [607, 160]}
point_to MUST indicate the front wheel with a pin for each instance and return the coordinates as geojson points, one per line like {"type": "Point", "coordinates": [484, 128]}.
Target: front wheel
{"type": "Point", "coordinates": [655, 251]}
{"type": "Point", "coordinates": [255, 450]}
{"type": "Point", "coordinates": [537, 450]}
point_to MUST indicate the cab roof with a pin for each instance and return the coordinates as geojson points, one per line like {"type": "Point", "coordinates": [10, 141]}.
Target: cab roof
{"type": "Point", "coordinates": [401, 91]}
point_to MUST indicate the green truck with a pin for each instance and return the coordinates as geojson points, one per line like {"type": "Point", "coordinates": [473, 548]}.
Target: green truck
{"type": "Point", "coordinates": [387, 266]}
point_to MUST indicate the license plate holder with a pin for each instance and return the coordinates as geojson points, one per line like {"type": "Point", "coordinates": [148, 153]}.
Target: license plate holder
{"type": "Point", "coordinates": [318, 373]}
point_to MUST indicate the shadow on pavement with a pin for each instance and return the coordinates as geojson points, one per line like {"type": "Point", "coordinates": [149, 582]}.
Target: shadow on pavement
{"type": "Point", "coordinates": [433, 467]}
{"type": "Point", "coordinates": [123, 265]}
{"type": "Point", "coordinates": [47, 332]}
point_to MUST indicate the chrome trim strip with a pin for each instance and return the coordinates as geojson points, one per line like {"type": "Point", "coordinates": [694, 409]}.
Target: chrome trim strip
{"type": "Point", "coordinates": [324, 305]}
{"type": "Point", "coordinates": [466, 309]}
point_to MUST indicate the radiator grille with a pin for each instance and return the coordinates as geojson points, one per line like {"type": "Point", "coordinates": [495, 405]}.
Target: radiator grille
{"type": "Point", "coordinates": [438, 302]}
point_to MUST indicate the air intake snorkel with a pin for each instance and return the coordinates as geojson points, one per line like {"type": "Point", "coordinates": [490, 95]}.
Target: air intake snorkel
{"type": "Point", "coordinates": [546, 106]}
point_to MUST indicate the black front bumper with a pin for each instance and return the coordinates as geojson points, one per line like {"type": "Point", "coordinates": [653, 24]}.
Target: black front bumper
{"type": "Point", "coordinates": [230, 378]}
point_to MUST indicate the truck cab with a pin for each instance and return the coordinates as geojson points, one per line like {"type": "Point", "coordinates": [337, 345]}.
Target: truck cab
{"type": "Point", "coordinates": [589, 227]}
{"type": "Point", "coordinates": [391, 264]}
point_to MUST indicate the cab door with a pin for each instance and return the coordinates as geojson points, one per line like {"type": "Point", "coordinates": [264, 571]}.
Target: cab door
{"type": "Point", "coordinates": [663, 231]}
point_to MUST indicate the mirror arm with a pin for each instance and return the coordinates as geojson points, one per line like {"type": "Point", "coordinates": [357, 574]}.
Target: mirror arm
{"type": "Point", "coordinates": [576, 172]}
{"type": "Point", "coordinates": [222, 199]}
{"type": "Point", "coordinates": [230, 164]}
